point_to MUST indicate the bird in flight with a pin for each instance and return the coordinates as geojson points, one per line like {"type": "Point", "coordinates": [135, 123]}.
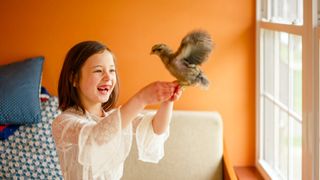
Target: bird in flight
{"type": "Point", "coordinates": [184, 64]}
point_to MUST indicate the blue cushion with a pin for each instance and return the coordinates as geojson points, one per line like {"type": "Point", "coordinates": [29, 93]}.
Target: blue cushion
{"type": "Point", "coordinates": [30, 152]}
{"type": "Point", "coordinates": [19, 91]}
{"type": "Point", "coordinates": [7, 130]}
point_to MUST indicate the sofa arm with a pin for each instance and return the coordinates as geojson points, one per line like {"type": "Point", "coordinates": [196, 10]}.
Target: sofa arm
{"type": "Point", "coordinates": [228, 171]}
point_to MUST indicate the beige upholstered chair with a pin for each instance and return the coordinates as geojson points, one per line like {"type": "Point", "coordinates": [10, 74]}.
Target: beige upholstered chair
{"type": "Point", "coordinates": [194, 151]}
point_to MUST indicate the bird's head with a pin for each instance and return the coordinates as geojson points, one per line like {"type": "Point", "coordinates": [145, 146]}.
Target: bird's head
{"type": "Point", "coordinates": [160, 49]}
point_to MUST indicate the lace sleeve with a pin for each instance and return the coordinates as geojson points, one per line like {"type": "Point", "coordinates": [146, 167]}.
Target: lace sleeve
{"type": "Point", "coordinates": [66, 129]}
{"type": "Point", "coordinates": [150, 145]}
{"type": "Point", "coordinates": [100, 145]}
{"type": "Point", "coordinates": [136, 122]}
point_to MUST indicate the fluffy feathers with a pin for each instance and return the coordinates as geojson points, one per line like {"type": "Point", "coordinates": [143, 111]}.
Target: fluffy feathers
{"type": "Point", "coordinates": [184, 64]}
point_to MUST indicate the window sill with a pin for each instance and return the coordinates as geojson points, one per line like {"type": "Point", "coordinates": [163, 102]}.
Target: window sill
{"type": "Point", "coordinates": [248, 172]}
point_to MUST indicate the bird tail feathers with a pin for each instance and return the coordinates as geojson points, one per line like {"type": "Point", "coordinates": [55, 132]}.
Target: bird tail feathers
{"type": "Point", "coordinates": [203, 81]}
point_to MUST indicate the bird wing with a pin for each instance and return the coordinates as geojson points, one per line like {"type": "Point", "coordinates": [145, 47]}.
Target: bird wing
{"type": "Point", "coordinates": [195, 47]}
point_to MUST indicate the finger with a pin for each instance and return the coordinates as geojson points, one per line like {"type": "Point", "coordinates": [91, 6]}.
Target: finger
{"type": "Point", "coordinates": [162, 85]}
{"type": "Point", "coordinates": [175, 97]}
{"type": "Point", "coordinates": [179, 90]}
{"type": "Point", "coordinates": [173, 84]}
{"type": "Point", "coordinates": [177, 94]}
{"type": "Point", "coordinates": [169, 89]}
{"type": "Point", "coordinates": [170, 85]}
{"type": "Point", "coordinates": [168, 94]}
{"type": "Point", "coordinates": [165, 95]}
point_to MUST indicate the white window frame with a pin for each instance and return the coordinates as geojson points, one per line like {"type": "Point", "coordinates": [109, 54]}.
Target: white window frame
{"type": "Point", "coordinates": [310, 89]}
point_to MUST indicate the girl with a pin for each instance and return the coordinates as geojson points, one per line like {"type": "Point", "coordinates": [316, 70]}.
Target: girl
{"type": "Point", "coordinates": [92, 139]}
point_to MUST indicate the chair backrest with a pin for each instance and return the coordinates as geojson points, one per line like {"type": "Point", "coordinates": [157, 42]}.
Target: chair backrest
{"type": "Point", "coordinates": [193, 151]}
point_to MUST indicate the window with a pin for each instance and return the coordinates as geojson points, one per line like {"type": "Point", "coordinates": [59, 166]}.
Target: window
{"type": "Point", "coordinates": [287, 89]}
{"type": "Point", "coordinates": [281, 101]}
{"type": "Point", "coordinates": [282, 11]}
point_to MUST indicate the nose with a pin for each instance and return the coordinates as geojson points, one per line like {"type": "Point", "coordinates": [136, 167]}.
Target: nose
{"type": "Point", "coordinates": [106, 76]}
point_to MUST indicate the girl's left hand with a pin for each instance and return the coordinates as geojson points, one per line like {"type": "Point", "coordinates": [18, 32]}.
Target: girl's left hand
{"type": "Point", "coordinates": [177, 93]}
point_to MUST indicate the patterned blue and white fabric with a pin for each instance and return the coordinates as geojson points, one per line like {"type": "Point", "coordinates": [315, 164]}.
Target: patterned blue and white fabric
{"type": "Point", "coordinates": [30, 153]}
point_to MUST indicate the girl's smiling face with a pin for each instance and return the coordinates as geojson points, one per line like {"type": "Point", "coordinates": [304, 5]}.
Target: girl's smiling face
{"type": "Point", "coordinates": [97, 79]}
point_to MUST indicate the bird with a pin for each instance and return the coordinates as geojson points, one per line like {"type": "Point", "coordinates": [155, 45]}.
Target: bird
{"type": "Point", "coordinates": [184, 64]}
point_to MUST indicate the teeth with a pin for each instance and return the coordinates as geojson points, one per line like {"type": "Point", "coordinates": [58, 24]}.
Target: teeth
{"type": "Point", "coordinates": [102, 89]}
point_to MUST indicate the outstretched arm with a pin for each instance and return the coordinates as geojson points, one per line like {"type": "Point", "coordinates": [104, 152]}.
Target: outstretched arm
{"type": "Point", "coordinates": [154, 93]}
{"type": "Point", "coordinates": [163, 116]}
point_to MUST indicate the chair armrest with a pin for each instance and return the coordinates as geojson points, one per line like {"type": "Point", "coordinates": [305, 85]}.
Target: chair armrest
{"type": "Point", "coordinates": [228, 170]}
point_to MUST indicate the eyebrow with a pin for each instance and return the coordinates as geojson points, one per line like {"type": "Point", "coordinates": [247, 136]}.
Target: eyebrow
{"type": "Point", "coordinates": [102, 66]}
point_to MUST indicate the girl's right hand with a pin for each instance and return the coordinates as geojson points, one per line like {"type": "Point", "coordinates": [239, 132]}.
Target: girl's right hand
{"type": "Point", "coordinates": [157, 92]}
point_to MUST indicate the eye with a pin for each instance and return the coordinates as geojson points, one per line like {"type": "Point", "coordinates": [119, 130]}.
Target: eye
{"type": "Point", "coordinates": [98, 71]}
{"type": "Point", "coordinates": [112, 70]}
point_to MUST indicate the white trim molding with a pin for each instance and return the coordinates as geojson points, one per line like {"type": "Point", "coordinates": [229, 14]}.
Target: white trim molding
{"type": "Point", "coordinates": [309, 31]}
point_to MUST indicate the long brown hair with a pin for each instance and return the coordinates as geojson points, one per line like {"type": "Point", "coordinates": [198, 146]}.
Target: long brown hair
{"type": "Point", "coordinates": [74, 60]}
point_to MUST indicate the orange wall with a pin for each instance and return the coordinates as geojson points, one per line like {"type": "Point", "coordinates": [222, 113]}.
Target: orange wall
{"type": "Point", "coordinates": [51, 27]}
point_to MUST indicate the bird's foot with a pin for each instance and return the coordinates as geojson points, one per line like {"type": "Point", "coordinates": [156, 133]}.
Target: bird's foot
{"type": "Point", "coordinates": [183, 85]}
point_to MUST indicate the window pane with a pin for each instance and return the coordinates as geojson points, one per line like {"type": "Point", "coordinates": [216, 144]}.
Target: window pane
{"type": "Point", "coordinates": [281, 71]}
{"type": "Point", "coordinates": [296, 149]}
{"type": "Point", "coordinates": [296, 71]}
{"type": "Point", "coordinates": [268, 61]}
{"type": "Point", "coordinates": [283, 144]}
{"type": "Point", "coordinates": [269, 131]}
{"type": "Point", "coordinates": [284, 69]}
{"type": "Point", "coordinates": [282, 11]}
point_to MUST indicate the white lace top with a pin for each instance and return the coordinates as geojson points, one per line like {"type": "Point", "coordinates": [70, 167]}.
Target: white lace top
{"type": "Point", "coordinates": [89, 148]}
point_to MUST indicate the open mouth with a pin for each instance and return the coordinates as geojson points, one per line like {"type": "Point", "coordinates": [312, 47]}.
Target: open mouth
{"type": "Point", "coordinates": [104, 89]}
